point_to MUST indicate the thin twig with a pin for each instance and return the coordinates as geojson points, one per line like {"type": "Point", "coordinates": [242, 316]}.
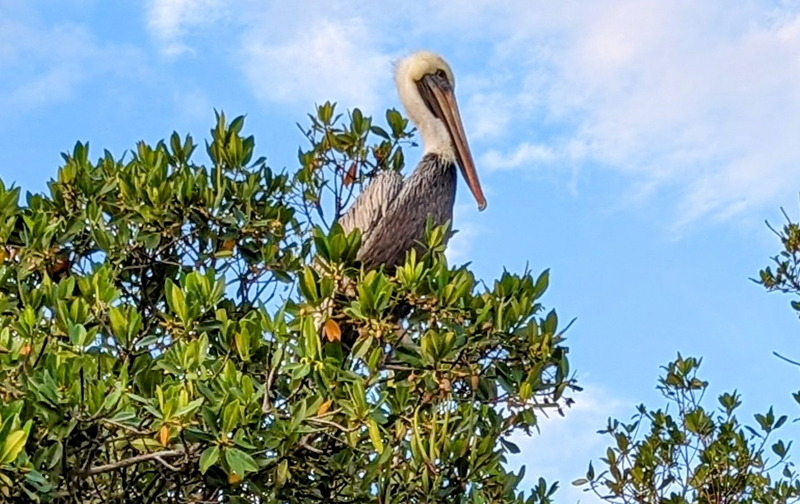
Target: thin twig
{"type": "Point", "coordinates": [312, 449]}
{"type": "Point", "coordinates": [167, 465]}
{"type": "Point", "coordinates": [322, 421]}
{"type": "Point", "coordinates": [265, 405]}
{"type": "Point", "coordinates": [790, 361]}
{"type": "Point", "coordinates": [132, 461]}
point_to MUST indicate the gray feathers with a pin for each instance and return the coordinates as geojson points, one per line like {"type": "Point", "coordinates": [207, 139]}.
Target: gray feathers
{"type": "Point", "coordinates": [372, 204]}
{"type": "Point", "coordinates": [391, 212]}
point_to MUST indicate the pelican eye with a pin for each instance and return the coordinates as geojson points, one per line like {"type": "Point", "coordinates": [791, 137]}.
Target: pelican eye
{"type": "Point", "coordinates": [441, 73]}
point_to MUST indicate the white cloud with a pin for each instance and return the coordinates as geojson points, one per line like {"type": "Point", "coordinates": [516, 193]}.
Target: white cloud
{"type": "Point", "coordinates": [321, 59]}
{"type": "Point", "coordinates": [488, 115]}
{"type": "Point", "coordinates": [699, 95]}
{"type": "Point", "coordinates": [566, 445]}
{"type": "Point", "coordinates": [525, 155]}
{"type": "Point", "coordinates": [169, 21]}
{"type": "Point", "coordinates": [298, 52]}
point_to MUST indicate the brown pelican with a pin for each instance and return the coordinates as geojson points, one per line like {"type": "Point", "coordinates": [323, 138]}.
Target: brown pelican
{"type": "Point", "coordinates": [391, 212]}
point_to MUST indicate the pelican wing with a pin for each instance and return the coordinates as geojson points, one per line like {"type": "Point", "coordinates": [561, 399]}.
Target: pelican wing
{"type": "Point", "coordinates": [372, 204]}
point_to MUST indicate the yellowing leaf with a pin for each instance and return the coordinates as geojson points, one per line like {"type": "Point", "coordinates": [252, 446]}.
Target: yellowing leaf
{"type": "Point", "coordinates": [375, 435]}
{"type": "Point", "coordinates": [119, 322]}
{"type": "Point", "coordinates": [176, 300]}
{"type": "Point", "coordinates": [12, 446]}
{"type": "Point", "coordinates": [525, 391]}
{"type": "Point", "coordinates": [226, 248]}
{"type": "Point", "coordinates": [163, 435]}
{"type": "Point", "coordinates": [350, 176]}
{"type": "Point", "coordinates": [234, 478]}
{"type": "Point", "coordinates": [332, 330]}
{"type": "Point", "coordinates": [324, 407]}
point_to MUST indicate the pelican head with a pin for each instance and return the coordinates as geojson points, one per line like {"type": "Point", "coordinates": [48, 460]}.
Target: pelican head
{"type": "Point", "coordinates": [425, 84]}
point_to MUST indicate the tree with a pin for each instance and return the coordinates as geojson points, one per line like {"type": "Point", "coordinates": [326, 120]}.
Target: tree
{"type": "Point", "coordinates": [159, 337]}
{"type": "Point", "coordinates": [687, 452]}
{"type": "Point", "coordinates": [786, 276]}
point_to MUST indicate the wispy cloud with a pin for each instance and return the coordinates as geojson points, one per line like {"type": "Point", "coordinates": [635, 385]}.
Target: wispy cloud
{"type": "Point", "coordinates": [525, 155]}
{"type": "Point", "coordinates": [43, 65]}
{"type": "Point", "coordinates": [193, 103]}
{"type": "Point", "coordinates": [169, 21]}
{"type": "Point", "coordinates": [294, 53]}
{"type": "Point", "coordinates": [698, 97]}
{"type": "Point", "coordinates": [324, 58]}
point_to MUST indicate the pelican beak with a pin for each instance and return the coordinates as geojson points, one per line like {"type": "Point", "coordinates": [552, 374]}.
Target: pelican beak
{"type": "Point", "coordinates": [438, 94]}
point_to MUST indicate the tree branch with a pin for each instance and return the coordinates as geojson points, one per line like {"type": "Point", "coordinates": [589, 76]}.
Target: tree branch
{"type": "Point", "coordinates": [158, 456]}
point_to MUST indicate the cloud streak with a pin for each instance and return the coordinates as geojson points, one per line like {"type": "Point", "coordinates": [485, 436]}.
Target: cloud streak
{"type": "Point", "coordinates": [525, 154]}
{"type": "Point", "coordinates": [42, 66]}
{"type": "Point", "coordinates": [170, 21]}
{"type": "Point", "coordinates": [702, 96]}
{"type": "Point", "coordinates": [329, 58]}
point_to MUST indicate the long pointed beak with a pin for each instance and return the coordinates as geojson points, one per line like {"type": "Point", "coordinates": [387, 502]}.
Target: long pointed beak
{"type": "Point", "coordinates": [444, 99]}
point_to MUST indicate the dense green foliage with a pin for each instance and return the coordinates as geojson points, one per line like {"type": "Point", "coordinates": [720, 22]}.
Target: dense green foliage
{"type": "Point", "coordinates": [159, 339]}
{"type": "Point", "coordinates": [690, 453]}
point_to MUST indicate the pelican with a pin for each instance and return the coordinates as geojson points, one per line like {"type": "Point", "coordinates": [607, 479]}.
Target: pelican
{"type": "Point", "coordinates": [391, 212]}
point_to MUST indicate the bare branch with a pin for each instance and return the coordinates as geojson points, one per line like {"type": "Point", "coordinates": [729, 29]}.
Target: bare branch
{"type": "Point", "coordinates": [133, 461]}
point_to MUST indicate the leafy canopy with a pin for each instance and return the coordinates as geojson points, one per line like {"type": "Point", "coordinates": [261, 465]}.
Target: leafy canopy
{"type": "Point", "coordinates": [160, 336]}
{"type": "Point", "coordinates": [689, 452]}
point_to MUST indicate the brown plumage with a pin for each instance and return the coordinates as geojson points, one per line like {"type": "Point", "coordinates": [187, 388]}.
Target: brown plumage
{"type": "Point", "coordinates": [391, 212]}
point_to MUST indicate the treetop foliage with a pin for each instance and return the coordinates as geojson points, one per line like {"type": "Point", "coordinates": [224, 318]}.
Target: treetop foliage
{"type": "Point", "coordinates": [160, 336]}
{"type": "Point", "coordinates": [785, 277]}
{"type": "Point", "coordinates": [690, 452]}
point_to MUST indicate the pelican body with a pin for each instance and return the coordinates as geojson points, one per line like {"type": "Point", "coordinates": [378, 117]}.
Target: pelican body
{"type": "Point", "coordinates": [392, 212]}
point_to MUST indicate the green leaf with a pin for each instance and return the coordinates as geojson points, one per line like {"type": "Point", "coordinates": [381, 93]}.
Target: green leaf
{"type": "Point", "coordinates": [508, 445]}
{"type": "Point", "coordinates": [282, 473]}
{"type": "Point", "coordinates": [119, 324]}
{"type": "Point", "coordinates": [176, 301]}
{"type": "Point", "coordinates": [239, 461]}
{"type": "Point", "coordinates": [78, 335]}
{"type": "Point", "coordinates": [189, 408]}
{"type": "Point", "coordinates": [209, 458]}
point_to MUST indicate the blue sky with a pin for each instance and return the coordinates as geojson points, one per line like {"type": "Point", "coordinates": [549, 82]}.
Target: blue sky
{"type": "Point", "coordinates": [635, 147]}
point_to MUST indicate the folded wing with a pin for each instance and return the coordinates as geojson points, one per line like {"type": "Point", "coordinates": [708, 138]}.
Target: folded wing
{"type": "Point", "coordinates": [372, 204]}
